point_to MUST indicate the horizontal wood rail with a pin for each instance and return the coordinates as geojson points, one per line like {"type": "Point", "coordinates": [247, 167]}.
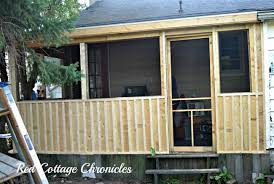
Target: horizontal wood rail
{"type": "Point", "coordinates": [192, 110]}
{"type": "Point", "coordinates": [182, 171]}
{"type": "Point", "coordinates": [186, 155]}
{"type": "Point", "coordinates": [189, 99]}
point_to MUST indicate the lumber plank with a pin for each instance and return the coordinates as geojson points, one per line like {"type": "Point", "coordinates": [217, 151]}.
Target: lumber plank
{"type": "Point", "coordinates": [186, 155]}
{"type": "Point", "coordinates": [166, 24]}
{"type": "Point", "coordinates": [182, 171]}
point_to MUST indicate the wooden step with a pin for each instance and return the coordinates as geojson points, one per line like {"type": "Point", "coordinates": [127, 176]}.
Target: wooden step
{"type": "Point", "coordinates": [5, 136]}
{"type": "Point", "coordinates": [4, 111]}
{"type": "Point", "coordinates": [187, 155]}
{"type": "Point", "coordinates": [182, 171]}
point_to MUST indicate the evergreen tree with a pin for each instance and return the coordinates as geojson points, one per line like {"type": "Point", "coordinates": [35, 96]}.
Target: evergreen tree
{"type": "Point", "coordinates": [24, 23]}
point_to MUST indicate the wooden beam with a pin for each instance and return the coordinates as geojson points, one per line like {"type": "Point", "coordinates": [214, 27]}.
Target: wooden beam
{"type": "Point", "coordinates": [84, 70]}
{"type": "Point", "coordinates": [12, 74]}
{"type": "Point", "coordinates": [216, 82]}
{"type": "Point", "coordinates": [225, 19]}
{"type": "Point", "coordinates": [162, 43]}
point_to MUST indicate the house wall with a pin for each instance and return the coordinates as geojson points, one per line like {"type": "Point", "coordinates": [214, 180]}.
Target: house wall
{"type": "Point", "coordinates": [269, 80]}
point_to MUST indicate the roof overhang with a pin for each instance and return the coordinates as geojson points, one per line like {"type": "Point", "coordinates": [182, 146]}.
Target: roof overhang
{"type": "Point", "coordinates": [266, 15]}
{"type": "Point", "coordinates": [214, 20]}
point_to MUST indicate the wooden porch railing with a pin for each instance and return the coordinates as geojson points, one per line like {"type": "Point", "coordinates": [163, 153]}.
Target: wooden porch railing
{"type": "Point", "coordinates": [240, 123]}
{"type": "Point", "coordinates": [103, 126]}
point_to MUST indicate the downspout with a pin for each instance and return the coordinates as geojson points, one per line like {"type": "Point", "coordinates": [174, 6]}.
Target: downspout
{"type": "Point", "coordinates": [265, 15]}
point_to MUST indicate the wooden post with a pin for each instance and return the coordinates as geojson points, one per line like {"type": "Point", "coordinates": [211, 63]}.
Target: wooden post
{"type": "Point", "coordinates": [12, 74]}
{"type": "Point", "coordinates": [84, 70]}
{"type": "Point", "coordinates": [162, 43]}
{"type": "Point", "coordinates": [216, 77]}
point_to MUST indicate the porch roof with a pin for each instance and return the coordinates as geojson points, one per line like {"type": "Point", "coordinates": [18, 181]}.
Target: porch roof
{"type": "Point", "coordinates": [108, 12]}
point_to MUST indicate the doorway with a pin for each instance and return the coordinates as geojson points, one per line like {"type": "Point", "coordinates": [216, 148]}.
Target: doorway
{"type": "Point", "coordinates": [191, 94]}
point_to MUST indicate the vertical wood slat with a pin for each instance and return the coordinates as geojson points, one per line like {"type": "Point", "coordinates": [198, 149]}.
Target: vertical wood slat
{"type": "Point", "coordinates": [93, 129]}
{"type": "Point", "coordinates": [129, 126]}
{"type": "Point", "coordinates": [151, 125]}
{"type": "Point", "coordinates": [31, 120]}
{"type": "Point", "coordinates": [241, 122]}
{"type": "Point", "coordinates": [64, 128]}
{"type": "Point", "coordinates": [58, 123]}
{"type": "Point", "coordinates": [121, 127]}
{"type": "Point", "coordinates": [159, 126]}
{"type": "Point", "coordinates": [51, 136]}
{"type": "Point", "coordinates": [135, 125]}
{"type": "Point", "coordinates": [99, 137]}
{"type": "Point", "coordinates": [144, 124]}
{"type": "Point", "coordinates": [106, 134]}
{"type": "Point", "coordinates": [233, 123]}
{"type": "Point", "coordinates": [71, 127]}
{"type": "Point", "coordinates": [225, 125]}
{"type": "Point", "coordinates": [37, 127]}
{"type": "Point", "coordinates": [249, 123]}
{"type": "Point", "coordinates": [77, 122]}
{"type": "Point", "coordinates": [114, 127]}
{"type": "Point", "coordinates": [220, 132]}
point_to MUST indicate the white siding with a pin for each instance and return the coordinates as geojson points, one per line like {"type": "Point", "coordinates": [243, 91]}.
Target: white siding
{"type": "Point", "coordinates": [269, 81]}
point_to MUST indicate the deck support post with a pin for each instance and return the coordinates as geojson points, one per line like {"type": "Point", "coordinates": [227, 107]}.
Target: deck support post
{"type": "Point", "coordinates": [256, 167]}
{"type": "Point", "coordinates": [239, 172]}
{"type": "Point", "coordinates": [84, 70]}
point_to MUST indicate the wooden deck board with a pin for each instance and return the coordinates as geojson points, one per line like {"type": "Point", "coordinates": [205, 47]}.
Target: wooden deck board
{"type": "Point", "coordinates": [8, 167]}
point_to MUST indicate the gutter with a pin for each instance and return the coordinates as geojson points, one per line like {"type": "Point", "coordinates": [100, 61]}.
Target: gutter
{"type": "Point", "coordinates": [266, 15]}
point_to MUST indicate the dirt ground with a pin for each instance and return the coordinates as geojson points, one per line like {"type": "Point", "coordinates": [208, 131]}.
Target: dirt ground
{"type": "Point", "coordinates": [89, 181]}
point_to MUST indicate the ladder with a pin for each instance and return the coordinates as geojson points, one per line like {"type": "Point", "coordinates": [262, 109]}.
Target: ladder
{"type": "Point", "coordinates": [19, 134]}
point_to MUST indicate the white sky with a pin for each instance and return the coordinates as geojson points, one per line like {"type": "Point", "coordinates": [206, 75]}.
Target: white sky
{"type": "Point", "coordinates": [84, 2]}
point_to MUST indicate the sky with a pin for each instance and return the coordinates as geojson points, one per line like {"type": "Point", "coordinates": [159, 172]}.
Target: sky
{"type": "Point", "coordinates": [83, 1]}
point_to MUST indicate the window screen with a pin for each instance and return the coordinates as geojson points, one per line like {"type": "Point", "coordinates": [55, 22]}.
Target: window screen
{"type": "Point", "coordinates": [234, 61]}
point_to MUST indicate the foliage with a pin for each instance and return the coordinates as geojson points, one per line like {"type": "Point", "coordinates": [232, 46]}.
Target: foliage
{"type": "Point", "coordinates": [170, 180]}
{"type": "Point", "coordinates": [202, 180]}
{"type": "Point", "coordinates": [56, 74]}
{"type": "Point", "coordinates": [36, 20]}
{"type": "Point", "coordinates": [152, 152]}
{"type": "Point", "coordinates": [222, 177]}
{"type": "Point", "coordinates": [44, 22]}
{"type": "Point", "coordinates": [260, 180]}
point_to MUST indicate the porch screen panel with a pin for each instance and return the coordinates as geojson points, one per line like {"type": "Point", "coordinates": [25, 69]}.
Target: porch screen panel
{"type": "Point", "coordinates": [98, 71]}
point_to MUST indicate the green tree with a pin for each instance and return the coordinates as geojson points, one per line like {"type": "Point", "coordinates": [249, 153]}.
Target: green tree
{"type": "Point", "coordinates": [45, 22]}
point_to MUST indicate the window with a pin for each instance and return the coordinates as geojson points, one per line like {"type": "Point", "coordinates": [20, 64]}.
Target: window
{"type": "Point", "coordinates": [234, 61]}
{"type": "Point", "coordinates": [98, 71]}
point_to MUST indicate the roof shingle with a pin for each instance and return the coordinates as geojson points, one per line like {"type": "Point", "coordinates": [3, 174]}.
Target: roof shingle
{"type": "Point", "coordinates": [106, 12]}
